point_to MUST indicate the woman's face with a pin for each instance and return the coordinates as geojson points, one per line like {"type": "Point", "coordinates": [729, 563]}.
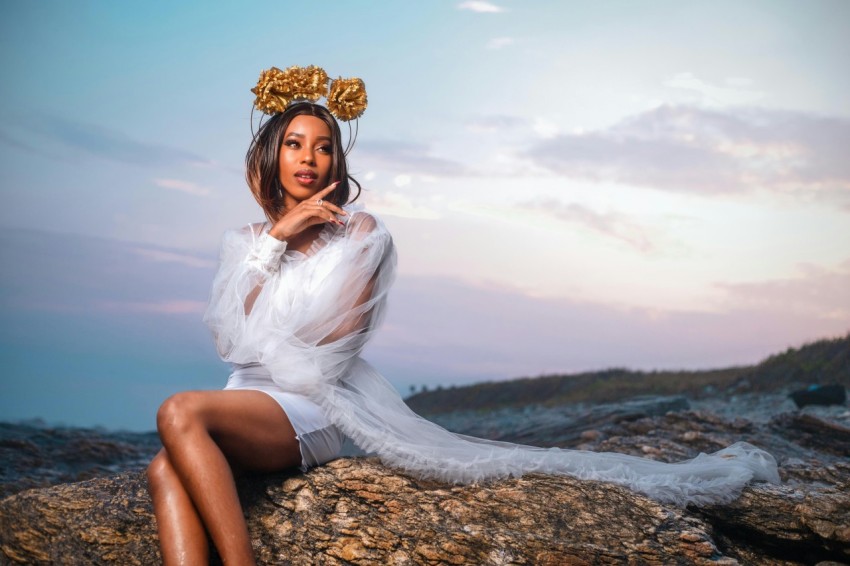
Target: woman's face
{"type": "Point", "coordinates": [305, 158]}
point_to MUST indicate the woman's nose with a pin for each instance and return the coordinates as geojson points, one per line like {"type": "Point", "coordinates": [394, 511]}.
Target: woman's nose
{"type": "Point", "coordinates": [307, 156]}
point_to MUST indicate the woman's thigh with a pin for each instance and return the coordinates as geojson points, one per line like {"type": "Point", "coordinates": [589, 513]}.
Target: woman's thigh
{"type": "Point", "coordinates": [250, 427]}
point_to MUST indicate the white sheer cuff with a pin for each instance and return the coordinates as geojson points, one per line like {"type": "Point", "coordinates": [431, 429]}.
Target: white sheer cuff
{"type": "Point", "coordinates": [266, 254]}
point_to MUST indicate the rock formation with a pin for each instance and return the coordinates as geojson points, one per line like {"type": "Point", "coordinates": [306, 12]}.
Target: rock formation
{"type": "Point", "coordinates": [356, 511]}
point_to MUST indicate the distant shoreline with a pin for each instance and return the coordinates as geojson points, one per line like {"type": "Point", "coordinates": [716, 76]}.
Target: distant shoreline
{"type": "Point", "coordinates": [821, 362]}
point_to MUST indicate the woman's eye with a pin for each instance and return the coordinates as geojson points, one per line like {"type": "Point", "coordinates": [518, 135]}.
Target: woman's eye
{"type": "Point", "coordinates": [291, 143]}
{"type": "Point", "coordinates": [325, 149]}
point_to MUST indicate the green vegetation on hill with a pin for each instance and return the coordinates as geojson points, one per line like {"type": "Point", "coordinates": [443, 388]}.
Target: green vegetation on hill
{"type": "Point", "coordinates": [824, 361]}
{"type": "Point", "coordinates": [821, 362]}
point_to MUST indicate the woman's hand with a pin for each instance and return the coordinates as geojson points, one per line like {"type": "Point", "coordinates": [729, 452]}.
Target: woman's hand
{"type": "Point", "coordinates": [307, 213]}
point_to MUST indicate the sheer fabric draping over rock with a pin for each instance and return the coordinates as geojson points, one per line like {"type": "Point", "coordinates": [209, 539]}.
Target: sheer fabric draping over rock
{"type": "Point", "coordinates": [306, 316]}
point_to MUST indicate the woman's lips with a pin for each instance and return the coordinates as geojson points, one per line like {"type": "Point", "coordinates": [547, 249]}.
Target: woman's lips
{"type": "Point", "coordinates": [306, 177]}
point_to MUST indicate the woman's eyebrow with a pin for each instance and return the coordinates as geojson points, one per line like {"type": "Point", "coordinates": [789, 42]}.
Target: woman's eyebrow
{"type": "Point", "coordinates": [297, 135]}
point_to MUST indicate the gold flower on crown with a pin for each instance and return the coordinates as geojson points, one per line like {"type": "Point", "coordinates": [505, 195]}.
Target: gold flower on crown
{"type": "Point", "coordinates": [276, 89]}
{"type": "Point", "coordinates": [270, 97]}
{"type": "Point", "coordinates": [347, 98]}
{"type": "Point", "coordinates": [308, 83]}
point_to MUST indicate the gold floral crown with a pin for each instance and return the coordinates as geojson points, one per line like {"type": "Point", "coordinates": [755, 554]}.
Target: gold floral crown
{"type": "Point", "coordinates": [276, 89]}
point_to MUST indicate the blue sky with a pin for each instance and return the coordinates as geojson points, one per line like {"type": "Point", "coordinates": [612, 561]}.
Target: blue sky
{"type": "Point", "coordinates": [571, 185]}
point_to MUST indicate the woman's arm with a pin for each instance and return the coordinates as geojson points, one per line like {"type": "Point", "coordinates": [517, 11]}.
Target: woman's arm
{"type": "Point", "coordinates": [265, 259]}
{"type": "Point", "coordinates": [248, 259]}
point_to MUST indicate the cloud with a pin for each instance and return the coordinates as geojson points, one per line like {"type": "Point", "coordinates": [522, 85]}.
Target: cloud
{"type": "Point", "coordinates": [402, 180]}
{"type": "Point", "coordinates": [689, 149]}
{"type": "Point", "coordinates": [500, 42]}
{"type": "Point", "coordinates": [544, 128]}
{"type": "Point", "coordinates": [819, 291]}
{"type": "Point", "coordinates": [736, 91]}
{"type": "Point", "coordinates": [442, 330]}
{"type": "Point", "coordinates": [183, 186]}
{"type": "Point", "coordinates": [396, 204]}
{"type": "Point", "coordinates": [438, 330]}
{"type": "Point", "coordinates": [16, 143]}
{"type": "Point", "coordinates": [98, 274]}
{"type": "Point", "coordinates": [837, 198]}
{"type": "Point", "coordinates": [157, 255]}
{"type": "Point", "coordinates": [407, 158]}
{"type": "Point", "coordinates": [111, 144]}
{"type": "Point", "coordinates": [614, 225]}
{"type": "Point", "coordinates": [494, 123]}
{"type": "Point", "coordinates": [159, 307]}
{"type": "Point", "coordinates": [480, 6]}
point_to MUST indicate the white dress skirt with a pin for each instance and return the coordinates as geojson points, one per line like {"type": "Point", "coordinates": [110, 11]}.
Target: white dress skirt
{"type": "Point", "coordinates": [318, 439]}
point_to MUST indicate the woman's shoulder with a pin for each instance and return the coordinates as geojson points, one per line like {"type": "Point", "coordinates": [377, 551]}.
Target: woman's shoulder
{"type": "Point", "coordinates": [361, 221]}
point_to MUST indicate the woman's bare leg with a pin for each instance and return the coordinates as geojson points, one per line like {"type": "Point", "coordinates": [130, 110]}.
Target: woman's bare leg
{"type": "Point", "coordinates": [182, 537]}
{"type": "Point", "coordinates": [203, 432]}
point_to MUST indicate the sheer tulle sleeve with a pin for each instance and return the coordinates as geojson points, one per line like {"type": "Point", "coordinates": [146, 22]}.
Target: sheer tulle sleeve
{"type": "Point", "coordinates": [303, 317]}
{"type": "Point", "coordinates": [248, 258]}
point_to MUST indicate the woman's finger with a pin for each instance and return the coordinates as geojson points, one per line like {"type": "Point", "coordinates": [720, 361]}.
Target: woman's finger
{"type": "Point", "coordinates": [321, 211]}
{"type": "Point", "coordinates": [333, 208]}
{"type": "Point", "coordinates": [324, 209]}
{"type": "Point", "coordinates": [332, 218]}
{"type": "Point", "coordinates": [326, 190]}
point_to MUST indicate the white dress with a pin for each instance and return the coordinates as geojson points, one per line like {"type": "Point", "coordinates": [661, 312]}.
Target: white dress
{"type": "Point", "coordinates": [316, 310]}
{"type": "Point", "coordinates": [318, 439]}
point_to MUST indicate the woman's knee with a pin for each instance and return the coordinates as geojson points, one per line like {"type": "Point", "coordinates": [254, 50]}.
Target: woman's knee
{"type": "Point", "coordinates": [178, 415]}
{"type": "Point", "coordinates": [159, 470]}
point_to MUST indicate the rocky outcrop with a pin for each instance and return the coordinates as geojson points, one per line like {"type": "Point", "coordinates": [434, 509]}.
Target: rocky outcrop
{"type": "Point", "coordinates": [356, 511]}
{"type": "Point", "coordinates": [36, 455]}
{"type": "Point", "coordinates": [800, 524]}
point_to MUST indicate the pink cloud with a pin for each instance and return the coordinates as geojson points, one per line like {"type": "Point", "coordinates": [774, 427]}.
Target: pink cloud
{"type": "Point", "coordinates": [691, 149]}
{"type": "Point", "coordinates": [183, 186]}
{"type": "Point", "coordinates": [445, 331]}
{"type": "Point", "coordinates": [615, 225]}
{"type": "Point", "coordinates": [173, 257]}
{"type": "Point", "coordinates": [818, 291]}
{"type": "Point", "coordinates": [158, 307]}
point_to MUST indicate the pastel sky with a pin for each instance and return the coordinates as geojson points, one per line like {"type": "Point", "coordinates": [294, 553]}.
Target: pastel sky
{"type": "Point", "coordinates": [571, 185]}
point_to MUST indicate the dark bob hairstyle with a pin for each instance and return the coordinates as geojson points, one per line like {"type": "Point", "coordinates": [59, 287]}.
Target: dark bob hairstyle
{"type": "Point", "coordinates": [261, 161]}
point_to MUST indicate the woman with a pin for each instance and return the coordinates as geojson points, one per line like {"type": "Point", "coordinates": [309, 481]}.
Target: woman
{"type": "Point", "coordinates": [297, 171]}
{"type": "Point", "coordinates": [295, 300]}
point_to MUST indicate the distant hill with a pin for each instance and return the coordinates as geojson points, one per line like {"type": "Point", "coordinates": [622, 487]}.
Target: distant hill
{"type": "Point", "coordinates": [824, 361]}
